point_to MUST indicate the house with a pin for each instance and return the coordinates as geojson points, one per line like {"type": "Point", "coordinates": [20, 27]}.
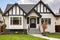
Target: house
{"type": "Point", "coordinates": [57, 26]}
{"type": "Point", "coordinates": [28, 18]}
{"type": "Point", "coordinates": [1, 20]}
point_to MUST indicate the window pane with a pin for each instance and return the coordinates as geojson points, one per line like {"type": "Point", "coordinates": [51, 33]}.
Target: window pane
{"type": "Point", "coordinates": [15, 22]}
{"type": "Point", "coordinates": [42, 20]}
{"type": "Point", "coordinates": [28, 20]}
{"type": "Point", "coordinates": [20, 21]}
{"type": "Point", "coordinates": [11, 22]}
{"type": "Point", "coordinates": [46, 21]}
{"type": "Point", "coordinates": [11, 19]}
{"type": "Point", "coordinates": [49, 21]}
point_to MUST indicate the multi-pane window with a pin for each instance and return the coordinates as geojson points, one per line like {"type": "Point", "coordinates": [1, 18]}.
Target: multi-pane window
{"type": "Point", "coordinates": [46, 20]}
{"type": "Point", "coordinates": [15, 21]}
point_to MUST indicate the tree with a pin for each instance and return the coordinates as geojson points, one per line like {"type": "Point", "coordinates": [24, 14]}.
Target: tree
{"type": "Point", "coordinates": [44, 27]}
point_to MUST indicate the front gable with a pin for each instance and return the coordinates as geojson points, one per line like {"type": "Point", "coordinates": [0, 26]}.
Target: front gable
{"type": "Point", "coordinates": [42, 8]}
{"type": "Point", "coordinates": [14, 10]}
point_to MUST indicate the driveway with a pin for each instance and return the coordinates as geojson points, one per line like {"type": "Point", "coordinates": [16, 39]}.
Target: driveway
{"type": "Point", "coordinates": [39, 35]}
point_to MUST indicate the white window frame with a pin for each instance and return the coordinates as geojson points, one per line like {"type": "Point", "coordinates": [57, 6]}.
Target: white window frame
{"type": "Point", "coordinates": [19, 19]}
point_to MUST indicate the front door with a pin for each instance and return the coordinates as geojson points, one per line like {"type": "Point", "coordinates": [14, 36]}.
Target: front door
{"type": "Point", "coordinates": [33, 23]}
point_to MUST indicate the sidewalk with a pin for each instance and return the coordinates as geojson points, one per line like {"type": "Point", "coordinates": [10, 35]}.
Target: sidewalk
{"type": "Point", "coordinates": [39, 35]}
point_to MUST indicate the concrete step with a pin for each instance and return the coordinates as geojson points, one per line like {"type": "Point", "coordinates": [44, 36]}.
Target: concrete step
{"type": "Point", "coordinates": [34, 31]}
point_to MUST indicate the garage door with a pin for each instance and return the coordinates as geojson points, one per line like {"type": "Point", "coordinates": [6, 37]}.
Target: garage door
{"type": "Point", "coordinates": [57, 28]}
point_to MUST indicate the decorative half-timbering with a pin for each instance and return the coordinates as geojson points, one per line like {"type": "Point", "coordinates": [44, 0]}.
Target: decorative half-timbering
{"type": "Point", "coordinates": [42, 8]}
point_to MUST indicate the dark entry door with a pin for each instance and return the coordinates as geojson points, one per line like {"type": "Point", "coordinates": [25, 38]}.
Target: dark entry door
{"type": "Point", "coordinates": [33, 23]}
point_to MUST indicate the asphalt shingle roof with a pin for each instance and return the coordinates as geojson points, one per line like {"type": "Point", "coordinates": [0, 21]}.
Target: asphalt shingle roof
{"type": "Point", "coordinates": [25, 7]}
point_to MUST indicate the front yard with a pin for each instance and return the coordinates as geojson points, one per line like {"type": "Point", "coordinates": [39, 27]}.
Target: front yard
{"type": "Point", "coordinates": [53, 35]}
{"type": "Point", "coordinates": [19, 37]}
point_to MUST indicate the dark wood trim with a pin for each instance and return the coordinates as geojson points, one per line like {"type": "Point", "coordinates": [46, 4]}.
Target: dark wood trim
{"type": "Point", "coordinates": [40, 7]}
{"type": "Point", "coordinates": [15, 15]}
{"type": "Point", "coordinates": [15, 9]}
{"type": "Point", "coordinates": [46, 10]}
{"type": "Point", "coordinates": [37, 20]}
{"type": "Point", "coordinates": [43, 8]}
{"type": "Point", "coordinates": [19, 11]}
{"type": "Point", "coordinates": [12, 11]}
{"type": "Point", "coordinates": [8, 13]}
{"type": "Point", "coordinates": [27, 20]}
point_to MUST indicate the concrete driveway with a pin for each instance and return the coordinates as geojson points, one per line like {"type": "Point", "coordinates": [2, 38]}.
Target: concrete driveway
{"type": "Point", "coordinates": [39, 35]}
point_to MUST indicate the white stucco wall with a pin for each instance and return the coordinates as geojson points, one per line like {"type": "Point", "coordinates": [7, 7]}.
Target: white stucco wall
{"type": "Point", "coordinates": [50, 28]}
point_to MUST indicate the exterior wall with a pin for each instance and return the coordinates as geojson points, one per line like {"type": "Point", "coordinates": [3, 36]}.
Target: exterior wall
{"type": "Point", "coordinates": [1, 18]}
{"type": "Point", "coordinates": [7, 22]}
{"type": "Point", "coordinates": [50, 28]}
{"type": "Point", "coordinates": [57, 20]}
{"type": "Point", "coordinates": [25, 25]}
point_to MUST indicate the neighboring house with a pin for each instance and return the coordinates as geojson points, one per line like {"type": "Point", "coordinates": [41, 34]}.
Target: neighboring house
{"type": "Point", "coordinates": [57, 26]}
{"type": "Point", "coordinates": [1, 20]}
{"type": "Point", "coordinates": [29, 18]}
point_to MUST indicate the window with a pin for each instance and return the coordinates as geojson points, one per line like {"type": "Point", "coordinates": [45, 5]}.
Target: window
{"type": "Point", "coordinates": [15, 21]}
{"type": "Point", "coordinates": [46, 20]}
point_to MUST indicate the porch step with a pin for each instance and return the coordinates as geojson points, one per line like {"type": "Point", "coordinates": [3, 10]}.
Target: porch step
{"type": "Point", "coordinates": [34, 31]}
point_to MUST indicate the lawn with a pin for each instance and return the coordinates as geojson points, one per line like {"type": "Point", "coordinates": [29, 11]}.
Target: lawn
{"type": "Point", "coordinates": [53, 35]}
{"type": "Point", "coordinates": [19, 37]}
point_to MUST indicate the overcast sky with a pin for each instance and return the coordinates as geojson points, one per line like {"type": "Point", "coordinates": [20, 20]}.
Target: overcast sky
{"type": "Point", "coordinates": [54, 4]}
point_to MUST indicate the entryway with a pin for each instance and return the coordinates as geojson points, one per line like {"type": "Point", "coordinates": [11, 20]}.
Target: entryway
{"type": "Point", "coordinates": [33, 25]}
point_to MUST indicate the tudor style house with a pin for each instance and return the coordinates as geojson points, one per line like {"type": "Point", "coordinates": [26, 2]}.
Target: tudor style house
{"type": "Point", "coordinates": [29, 18]}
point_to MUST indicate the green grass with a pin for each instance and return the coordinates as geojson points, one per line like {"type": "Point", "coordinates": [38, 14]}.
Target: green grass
{"type": "Point", "coordinates": [53, 35]}
{"type": "Point", "coordinates": [19, 37]}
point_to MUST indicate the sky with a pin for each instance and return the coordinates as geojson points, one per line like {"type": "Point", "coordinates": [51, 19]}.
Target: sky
{"type": "Point", "coordinates": [53, 4]}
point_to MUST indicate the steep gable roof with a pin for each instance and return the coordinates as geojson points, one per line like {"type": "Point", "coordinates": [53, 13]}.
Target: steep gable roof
{"type": "Point", "coordinates": [27, 7]}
